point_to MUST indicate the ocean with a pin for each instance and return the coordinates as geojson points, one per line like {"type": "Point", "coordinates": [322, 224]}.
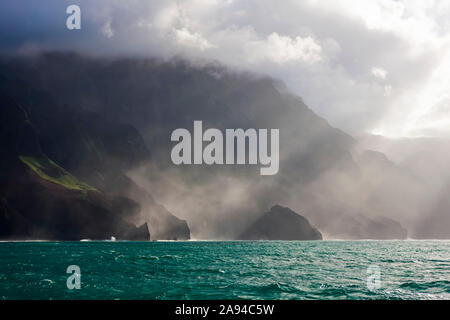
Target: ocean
{"type": "Point", "coordinates": [226, 270]}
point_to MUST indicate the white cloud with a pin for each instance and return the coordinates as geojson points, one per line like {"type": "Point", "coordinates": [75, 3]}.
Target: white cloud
{"type": "Point", "coordinates": [195, 40]}
{"type": "Point", "coordinates": [107, 29]}
{"type": "Point", "coordinates": [379, 72]}
{"type": "Point", "coordinates": [379, 65]}
{"type": "Point", "coordinates": [322, 51]}
{"type": "Point", "coordinates": [424, 109]}
{"type": "Point", "coordinates": [283, 49]}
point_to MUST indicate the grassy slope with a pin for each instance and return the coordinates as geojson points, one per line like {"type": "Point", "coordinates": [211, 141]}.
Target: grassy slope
{"type": "Point", "coordinates": [49, 170]}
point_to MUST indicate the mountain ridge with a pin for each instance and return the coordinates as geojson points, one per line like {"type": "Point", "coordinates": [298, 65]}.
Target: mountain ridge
{"type": "Point", "coordinates": [145, 99]}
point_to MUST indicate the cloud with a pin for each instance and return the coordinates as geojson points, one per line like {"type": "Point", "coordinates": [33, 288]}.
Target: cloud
{"type": "Point", "coordinates": [107, 29]}
{"type": "Point", "coordinates": [379, 72]}
{"type": "Point", "coordinates": [282, 49]}
{"type": "Point", "coordinates": [195, 40]}
{"type": "Point", "coordinates": [321, 51]}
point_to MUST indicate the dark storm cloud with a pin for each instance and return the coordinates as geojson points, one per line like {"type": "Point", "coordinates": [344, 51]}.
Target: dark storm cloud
{"type": "Point", "coordinates": [325, 52]}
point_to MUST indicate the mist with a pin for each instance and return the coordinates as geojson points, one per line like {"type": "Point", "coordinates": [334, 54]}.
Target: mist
{"type": "Point", "coordinates": [378, 67]}
{"type": "Point", "coordinates": [325, 174]}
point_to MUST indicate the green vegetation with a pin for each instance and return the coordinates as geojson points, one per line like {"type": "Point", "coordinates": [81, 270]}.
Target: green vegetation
{"type": "Point", "coordinates": [49, 170]}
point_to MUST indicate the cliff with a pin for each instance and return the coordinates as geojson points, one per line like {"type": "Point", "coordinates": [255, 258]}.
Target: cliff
{"type": "Point", "coordinates": [281, 223]}
{"type": "Point", "coordinates": [41, 200]}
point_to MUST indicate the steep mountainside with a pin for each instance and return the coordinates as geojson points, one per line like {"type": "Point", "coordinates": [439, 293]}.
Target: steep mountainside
{"type": "Point", "coordinates": [97, 117]}
{"type": "Point", "coordinates": [41, 200]}
{"type": "Point", "coordinates": [281, 223]}
{"type": "Point", "coordinates": [92, 148]}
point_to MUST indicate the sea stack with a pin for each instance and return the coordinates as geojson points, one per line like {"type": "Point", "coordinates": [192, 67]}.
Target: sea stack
{"type": "Point", "coordinates": [281, 223]}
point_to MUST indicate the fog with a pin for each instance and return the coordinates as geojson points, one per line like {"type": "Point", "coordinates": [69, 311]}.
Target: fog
{"type": "Point", "coordinates": [379, 67]}
{"type": "Point", "coordinates": [324, 173]}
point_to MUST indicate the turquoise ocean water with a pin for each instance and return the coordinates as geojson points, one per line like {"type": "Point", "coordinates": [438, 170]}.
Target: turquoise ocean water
{"type": "Point", "coordinates": [227, 270]}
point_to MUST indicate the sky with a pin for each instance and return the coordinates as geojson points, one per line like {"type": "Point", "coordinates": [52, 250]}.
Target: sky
{"type": "Point", "coordinates": [374, 66]}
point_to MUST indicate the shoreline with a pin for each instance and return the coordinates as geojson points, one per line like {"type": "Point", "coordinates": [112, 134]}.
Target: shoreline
{"type": "Point", "coordinates": [221, 240]}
